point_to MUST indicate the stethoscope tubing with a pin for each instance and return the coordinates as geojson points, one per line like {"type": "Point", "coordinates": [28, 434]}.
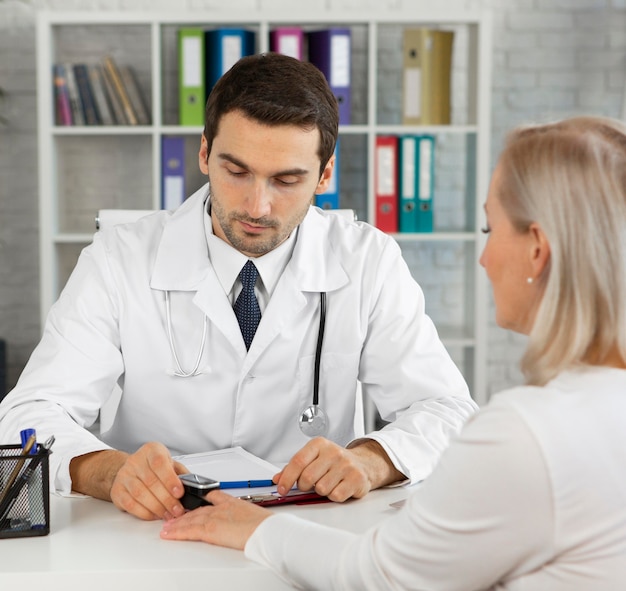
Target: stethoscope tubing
{"type": "Point", "coordinates": [179, 372]}
{"type": "Point", "coordinates": [318, 349]}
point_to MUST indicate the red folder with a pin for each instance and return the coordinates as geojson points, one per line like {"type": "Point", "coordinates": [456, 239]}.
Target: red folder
{"type": "Point", "coordinates": [293, 497]}
{"type": "Point", "coordinates": [386, 183]}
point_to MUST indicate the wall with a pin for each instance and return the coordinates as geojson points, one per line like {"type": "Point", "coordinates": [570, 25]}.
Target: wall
{"type": "Point", "coordinates": [552, 58]}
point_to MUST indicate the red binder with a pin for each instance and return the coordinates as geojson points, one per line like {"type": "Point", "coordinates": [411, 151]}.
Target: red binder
{"type": "Point", "coordinates": [386, 183]}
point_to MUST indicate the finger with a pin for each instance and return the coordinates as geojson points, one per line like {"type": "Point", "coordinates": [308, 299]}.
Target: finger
{"type": "Point", "coordinates": [292, 472]}
{"type": "Point", "coordinates": [165, 470]}
{"type": "Point", "coordinates": [147, 484]}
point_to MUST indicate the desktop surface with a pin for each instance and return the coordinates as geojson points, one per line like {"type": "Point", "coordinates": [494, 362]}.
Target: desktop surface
{"type": "Point", "coordinates": [92, 545]}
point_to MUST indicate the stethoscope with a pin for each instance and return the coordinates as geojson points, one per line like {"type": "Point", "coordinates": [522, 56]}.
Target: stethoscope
{"type": "Point", "coordinates": [313, 421]}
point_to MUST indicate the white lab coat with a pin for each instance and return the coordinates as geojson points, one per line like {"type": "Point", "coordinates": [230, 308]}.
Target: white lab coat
{"type": "Point", "coordinates": [109, 325]}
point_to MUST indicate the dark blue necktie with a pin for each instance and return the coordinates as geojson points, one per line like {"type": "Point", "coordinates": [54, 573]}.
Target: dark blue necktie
{"type": "Point", "coordinates": [247, 307]}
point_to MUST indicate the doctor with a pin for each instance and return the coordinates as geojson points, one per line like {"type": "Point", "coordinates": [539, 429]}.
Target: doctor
{"type": "Point", "coordinates": [152, 307]}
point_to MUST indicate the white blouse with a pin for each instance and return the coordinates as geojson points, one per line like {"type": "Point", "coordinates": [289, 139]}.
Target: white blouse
{"type": "Point", "coordinates": [531, 495]}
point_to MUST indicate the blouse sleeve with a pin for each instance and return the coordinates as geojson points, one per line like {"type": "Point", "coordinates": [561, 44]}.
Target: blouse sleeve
{"type": "Point", "coordinates": [484, 515]}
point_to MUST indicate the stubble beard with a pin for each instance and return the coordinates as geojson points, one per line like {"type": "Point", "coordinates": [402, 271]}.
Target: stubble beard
{"type": "Point", "coordinates": [253, 244]}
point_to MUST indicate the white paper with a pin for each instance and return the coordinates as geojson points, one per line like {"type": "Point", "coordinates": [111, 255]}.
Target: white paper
{"type": "Point", "coordinates": [234, 463]}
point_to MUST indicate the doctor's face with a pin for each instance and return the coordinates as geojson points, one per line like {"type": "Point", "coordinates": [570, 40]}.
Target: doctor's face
{"type": "Point", "coordinates": [262, 181]}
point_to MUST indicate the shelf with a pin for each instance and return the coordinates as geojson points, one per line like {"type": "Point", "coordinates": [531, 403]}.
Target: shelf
{"type": "Point", "coordinates": [83, 169]}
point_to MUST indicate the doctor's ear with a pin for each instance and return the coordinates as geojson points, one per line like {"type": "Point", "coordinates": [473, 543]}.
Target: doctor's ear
{"type": "Point", "coordinates": [203, 156]}
{"type": "Point", "coordinates": [327, 174]}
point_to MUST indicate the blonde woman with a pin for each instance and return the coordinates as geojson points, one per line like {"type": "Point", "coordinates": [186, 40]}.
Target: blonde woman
{"type": "Point", "coordinates": [532, 495]}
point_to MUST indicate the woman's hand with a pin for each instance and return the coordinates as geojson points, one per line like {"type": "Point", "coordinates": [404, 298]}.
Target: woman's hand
{"type": "Point", "coordinates": [227, 522]}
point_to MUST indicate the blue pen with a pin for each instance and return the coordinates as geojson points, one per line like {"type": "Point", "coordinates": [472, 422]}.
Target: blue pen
{"type": "Point", "coordinates": [246, 483]}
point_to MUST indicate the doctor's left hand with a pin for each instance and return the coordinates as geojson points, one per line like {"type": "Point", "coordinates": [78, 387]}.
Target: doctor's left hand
{"type": "Point", "coordinates": [144, 484]}
{"type": "Point", "coordinates": [336, 472]}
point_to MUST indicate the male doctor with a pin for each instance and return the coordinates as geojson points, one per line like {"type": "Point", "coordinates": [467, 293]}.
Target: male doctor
{"type": "Point", "coordinates": [155, 307]}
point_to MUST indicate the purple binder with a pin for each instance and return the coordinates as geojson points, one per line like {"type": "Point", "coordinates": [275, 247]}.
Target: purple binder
{"type": "Point", "coordinates": [172, 171]}
{"type": "Point", "coordinates": [329, 50]}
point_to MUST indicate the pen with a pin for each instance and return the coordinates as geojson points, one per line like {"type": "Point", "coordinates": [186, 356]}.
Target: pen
{"type": "Point", "coordinates": [246, 483]}
{"type": "Point", "coordinates": [14, 491]}
{"type": "Point", "coordinates": [25, 451]}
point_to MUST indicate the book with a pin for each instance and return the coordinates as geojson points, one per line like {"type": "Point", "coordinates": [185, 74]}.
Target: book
{"type": "Point", "coordinates": [120, 90]}
{"type": "Point", "coordinates": [117, 110]}
{"type": "Point", "coordinates": [191, 77]}
{"type": "Point", "coordinates": [78, 118]}
{"type": "Point", "coordinates": [100, 94]}
{"type": "Point", "coordinates": [62, 108]}
{"type": "Point", "coordinates": [87, 101]}
{"type": "Point", "coordinates": [134, 95]}
{"type": "Point", "coordinates": [329, 50]}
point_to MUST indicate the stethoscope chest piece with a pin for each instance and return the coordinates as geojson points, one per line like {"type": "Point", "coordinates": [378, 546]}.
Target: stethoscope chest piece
{"type": "Point", "coordinates": [313, 421]}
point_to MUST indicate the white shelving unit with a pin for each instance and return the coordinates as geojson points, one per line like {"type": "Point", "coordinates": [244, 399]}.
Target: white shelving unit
{"type": "Point", "coordinates": [83, 169]}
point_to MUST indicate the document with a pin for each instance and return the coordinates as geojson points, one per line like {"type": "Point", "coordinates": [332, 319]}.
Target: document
{"type": "Point", "coordinates": [234, 463]}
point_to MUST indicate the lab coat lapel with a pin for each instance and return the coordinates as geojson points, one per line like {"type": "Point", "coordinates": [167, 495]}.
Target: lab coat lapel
{"type": "Point", "coordinates": [182, 264]}
{"type": "Point", "coordinates": [182, 259]}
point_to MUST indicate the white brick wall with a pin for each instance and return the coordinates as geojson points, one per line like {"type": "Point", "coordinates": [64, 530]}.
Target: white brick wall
{"type": "Point", "coordinates": [552, 58]}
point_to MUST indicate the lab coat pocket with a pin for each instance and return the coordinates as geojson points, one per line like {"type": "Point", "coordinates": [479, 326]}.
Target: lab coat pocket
{"type": "Point", "coordinates": [337, 390]}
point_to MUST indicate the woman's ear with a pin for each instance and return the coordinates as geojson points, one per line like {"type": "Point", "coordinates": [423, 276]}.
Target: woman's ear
{"type": "Point", "coordinates": [539, 250]}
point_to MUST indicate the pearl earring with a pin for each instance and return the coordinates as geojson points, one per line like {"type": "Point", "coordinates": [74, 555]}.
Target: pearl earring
{"type": "Point", "coordinates": [529, 280]}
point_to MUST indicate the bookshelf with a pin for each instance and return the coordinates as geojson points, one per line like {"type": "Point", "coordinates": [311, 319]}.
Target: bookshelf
{"type": "Point", "coordinates": [86, 168]}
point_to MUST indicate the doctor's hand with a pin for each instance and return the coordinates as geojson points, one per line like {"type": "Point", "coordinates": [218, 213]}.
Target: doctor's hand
{"type": "Point", "coordinates": [336, 472]}
{"type": "Point", "coordinates": [228, 522]}
{"type": "Point", "coordinates": [144, 484]}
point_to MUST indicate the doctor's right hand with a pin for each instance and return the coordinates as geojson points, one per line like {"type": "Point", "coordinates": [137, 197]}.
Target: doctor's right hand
{"type": "Point", "coordinates": [144, 484]}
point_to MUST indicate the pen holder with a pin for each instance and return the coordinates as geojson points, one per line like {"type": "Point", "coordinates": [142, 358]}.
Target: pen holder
{"type": "Point", "coordinates": [29, 512]}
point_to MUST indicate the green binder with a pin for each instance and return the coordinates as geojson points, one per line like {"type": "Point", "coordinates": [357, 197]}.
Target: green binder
{"type": "Point", "coordinates": [191, 76]}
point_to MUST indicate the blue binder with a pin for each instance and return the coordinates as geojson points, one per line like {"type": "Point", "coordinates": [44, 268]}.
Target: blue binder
{"type": "Point", "coordinates": [224, 47]}
{"type": "Point", "coordinates": [330, 198]}
{"type": "Point", "coordinates": [416, 182]}
{"type": "Point", "coordinates": [425, 182]}
{"type": "Point", "coordinates": [407, 183]}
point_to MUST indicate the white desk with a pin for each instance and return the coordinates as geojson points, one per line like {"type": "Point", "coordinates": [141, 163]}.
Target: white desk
{"type": "Point", "coordinates": [92, 545]}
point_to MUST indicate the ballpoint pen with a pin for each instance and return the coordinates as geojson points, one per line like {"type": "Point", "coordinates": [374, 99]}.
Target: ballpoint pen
{"type": "Point", "coordinates": [25, 452]}
{"type": "Point", "coordinates": [246, 483]}
{"type": "Point", "coordinates": [24, 477]}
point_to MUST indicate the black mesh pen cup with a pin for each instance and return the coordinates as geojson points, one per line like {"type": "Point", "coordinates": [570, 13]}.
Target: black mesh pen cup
{"type": "Point", "coordinates": [24, 492]}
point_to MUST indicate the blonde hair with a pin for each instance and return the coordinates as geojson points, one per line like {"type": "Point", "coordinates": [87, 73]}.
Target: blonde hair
{"type": "Point", "coordinates": [570, 178]}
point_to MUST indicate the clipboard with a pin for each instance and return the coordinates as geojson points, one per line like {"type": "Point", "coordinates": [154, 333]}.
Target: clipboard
{"type": "Point", "coordinates": [293, 497]}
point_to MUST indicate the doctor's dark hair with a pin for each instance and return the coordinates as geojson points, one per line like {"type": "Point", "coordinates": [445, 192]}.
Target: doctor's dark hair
{"type": "Point", "coordinates": [275, 89]}
{"type": "Point", "coordinates": [569, 177]}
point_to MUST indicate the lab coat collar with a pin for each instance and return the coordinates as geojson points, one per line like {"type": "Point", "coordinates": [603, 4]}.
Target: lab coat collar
{"type": "Point", "coordinates": [182, 262]}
